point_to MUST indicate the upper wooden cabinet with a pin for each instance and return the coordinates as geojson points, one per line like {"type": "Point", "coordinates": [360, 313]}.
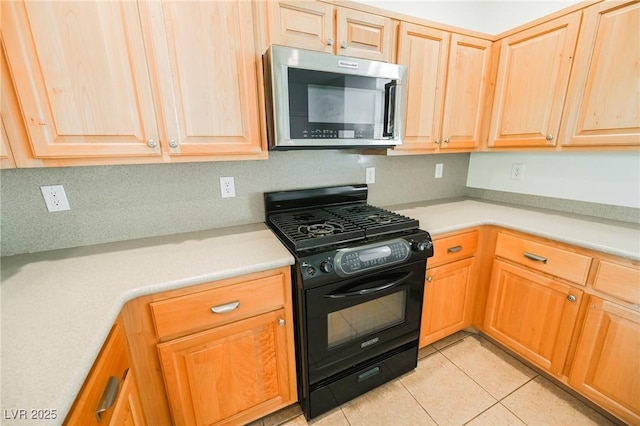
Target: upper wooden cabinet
{"type": "Point", "coordinates": [81, 76]}
{"type": "Point", "coordinates": [310, 25]}
{"type": "Point", "coordinates": [116, 82]}
{"type": "Point", "coordinates": [602, 105]}
{"type": "Point", "coordinates": [445, 90]}
{"type": "Point", "coordinates": [532, 78]}
{"type": "Point", "coordinates": [205, 61]}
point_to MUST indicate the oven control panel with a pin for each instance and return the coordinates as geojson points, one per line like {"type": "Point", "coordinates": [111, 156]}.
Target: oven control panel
{"type": "Point", "coordinates": [363, 258]}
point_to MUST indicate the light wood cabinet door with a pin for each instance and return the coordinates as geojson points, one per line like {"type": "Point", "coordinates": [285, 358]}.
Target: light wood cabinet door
{"type": "Point", "coordinates": [602, 104]}
{"type": "Point", "coordinates": [532, 314]}
{"type": "Point", "coordinates": [607, 367]}
{"type": "Point", "coordinates": [205, 62]}
{"type": "Point", "coordinates": [467, 80]}
{"type": "Point", "coordinates": [81, 74]}
{"type": "Point", "coordinates": [532, 79]}
{"type": "Point", "coordinates": [221, 375]}
{"type": "Point", "coordinates": [6, 156]}
{"type": "Point", "coordinates": [424, 51]}
{"type": "Point", "coordinates": [303, 24]}
{"type": "Point", "coordinates": [447, 306]}
{"type": "Point", "coordinates": [363, 35]}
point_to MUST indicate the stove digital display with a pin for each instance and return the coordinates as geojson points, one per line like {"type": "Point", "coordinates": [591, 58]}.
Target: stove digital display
{"type": "Point", "coordinates": [360, 259]}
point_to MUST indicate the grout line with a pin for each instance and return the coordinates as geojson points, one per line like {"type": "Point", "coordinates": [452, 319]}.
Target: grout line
{"type": "Point", "coordinates": [415, 399]}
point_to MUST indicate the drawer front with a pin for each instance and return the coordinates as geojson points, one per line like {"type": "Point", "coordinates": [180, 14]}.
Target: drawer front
{"type": "Point", "coordinates": [209, 308]}
{"type": "Point", "coordinates": [545, 258]}
{"type": "Point", "coordinates": [618, 280]}
{"type": "Point", "coordinates": [452, 248]}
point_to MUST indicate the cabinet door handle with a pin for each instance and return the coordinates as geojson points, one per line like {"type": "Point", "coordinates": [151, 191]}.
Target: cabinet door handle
{"type": "Point", "coordinates": [329, 42]}
{"type": "Point", "coordinates": [227, 307]}
{"type": "Point", "coordinates": [343, 45]}
{"type": "Point", "coordinates": [455, 249]}
{"type": "Point", "coordinates": [429, 279]}
{"type": "Point", "coordinates": [108, 396]}
{"type": "Point", "coordinates": [571, 298]}
{"type": "Point", "coordinates": [535, 257]}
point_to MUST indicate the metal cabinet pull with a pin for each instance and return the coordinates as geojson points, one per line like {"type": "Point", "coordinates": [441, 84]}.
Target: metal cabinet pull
{"type": "Point", "coordinates": [227, 307]}
{"type": "Point", "coordinates": [437, 141]}
{"type": "Point", "coordinates": [343, 45]}
{"type": "Point", "coordinates": [151, 143]}
{"type": "Point", "coordinates": [329, 42]}
{"type": "Point", "coordinates": [281, 322]}
{"type": "Point", "coordinates": [571, 298]}
{"type": "Point", "coordinates": [446, 141]}
{"type": "Point", "coordinates": [173, 143]}
{"type": "Point", "coordinates": [429, 279]}
{"type": "Point", "coordinates": [535, 257]}
{"type": "Point", "coordinates": [455, 249]}
{"type": "Point", "coordinates": [549, 137]}
{"type": "Point", "coordinates": [108, 397]}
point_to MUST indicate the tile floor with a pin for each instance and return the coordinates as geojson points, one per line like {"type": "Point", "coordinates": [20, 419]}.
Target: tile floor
{"type": "Point", "coordinates": [460, 380]}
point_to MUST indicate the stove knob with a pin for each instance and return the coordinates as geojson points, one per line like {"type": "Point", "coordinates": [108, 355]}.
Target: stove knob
{"type": "Point", "coordinates": [311, 271]}
{"type": "Point", "coordinates": [326, 267]}
{"type": "Point", "coordinates": [421, 245]}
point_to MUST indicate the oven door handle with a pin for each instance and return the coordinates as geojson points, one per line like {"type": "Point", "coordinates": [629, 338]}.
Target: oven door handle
{"type": "Point", "coordinates": [371, 290]}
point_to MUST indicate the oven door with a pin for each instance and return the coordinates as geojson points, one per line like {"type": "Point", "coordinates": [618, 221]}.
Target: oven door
{"type": "Point", "coordinates": [354, 320]}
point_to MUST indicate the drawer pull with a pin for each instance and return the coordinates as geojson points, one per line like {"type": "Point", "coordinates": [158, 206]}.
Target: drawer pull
{"type": "Point", "coordinates": [108, 397]}
{"type": "Point", "coordinates": [535, 257]}
{"type": "Point", "coordinates": [454, 249]}
{"type": "Point", "coordinates": [227, 307]}
{"type": "Point", "coordinates": [571, 298]}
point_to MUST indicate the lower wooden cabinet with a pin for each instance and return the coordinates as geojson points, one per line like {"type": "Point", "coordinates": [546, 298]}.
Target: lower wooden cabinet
{"type": "Point", "coordinates": [109, 395]}
{"type": "Point", "coordinates": [223, 375]}
{"type": "Point", "coordinates": [606, 367]}
{"type": "Point", "coordinates": [532, 314]}
{"type": "Point", "coordinates": [447, 306]}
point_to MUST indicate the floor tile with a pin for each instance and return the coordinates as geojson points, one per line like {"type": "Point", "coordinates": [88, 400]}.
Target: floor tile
{"type": "Point", "coordinates": [442, 343]}
{"type": "Point", "coordinates": [389, 404]}
{"type": "Point", "coordinates": [426, 351]}
{"type": "Point", "coordinates": [497, 415]}
{"type": "Point", "coordinates": [492, 368]}
{"type": "Point", "coordinates": [542, 402]}
{"type": "Point", "coordinates": [445, 392]}
{"type": "Point", "coordinates": [282, 416]}
{"type": "Point", "coordinates": [334, 417]}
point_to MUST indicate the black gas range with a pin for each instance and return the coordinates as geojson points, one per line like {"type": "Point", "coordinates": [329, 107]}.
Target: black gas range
{"type": "Point", "coordinates": [358, 289]}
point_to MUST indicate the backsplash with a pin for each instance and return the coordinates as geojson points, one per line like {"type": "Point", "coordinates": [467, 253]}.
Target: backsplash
{"type": "Point", "coordinates": [113, 203]}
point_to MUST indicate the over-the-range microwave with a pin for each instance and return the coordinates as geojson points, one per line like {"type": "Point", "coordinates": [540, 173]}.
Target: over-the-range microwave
{"type": "Point", "coordinates": [317, 100]}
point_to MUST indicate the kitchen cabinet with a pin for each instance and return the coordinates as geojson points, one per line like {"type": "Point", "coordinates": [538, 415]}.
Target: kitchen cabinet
{"type": "Point", "coordinates": [110, 395]}
{"type": "Point", "coordinates": [446, 88]}
{"type": "Point", "coordinates": [311, 25]}
{"type": "Point", "coordinates": [216, 353]}
{"type": "Point", "coordinates": [531, 308]}
{"type": "Point", "coordinates": [602, 106]}
{"type": "Point", "coordinates": [449, 287]}
{"type": "Point", "coordinates": [606, 367]}
{"type": "Point", "coordinates": [531, 84]}
{"type": "Point", "coordinates": [162, 89]}
{"type": "Point", "coordinates": [209, 82]}
{"type": "Point", "coordinates": [6, 156]}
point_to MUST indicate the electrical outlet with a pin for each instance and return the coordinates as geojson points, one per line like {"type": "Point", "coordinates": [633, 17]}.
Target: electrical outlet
{"type": "Point", "coordinates": [55, 198]}
{"type": "Point", "coordinates": [439, 168]}
{"type": "Point", "coordinates": [517, 171]}
{"type": "Point", "coordinates": [227, 187]}
{"type": "Point", "coordinates": [370, 175]}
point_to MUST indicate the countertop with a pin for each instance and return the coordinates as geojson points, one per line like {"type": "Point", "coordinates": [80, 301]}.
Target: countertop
{"type": "Point", "coordinates": [58, 306]}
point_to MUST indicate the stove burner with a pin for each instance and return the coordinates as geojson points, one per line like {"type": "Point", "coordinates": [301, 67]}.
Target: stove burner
{"type": "Point", "coordinates": [380, 218]}
{"type": "Point", "coordinates": [321, 229]}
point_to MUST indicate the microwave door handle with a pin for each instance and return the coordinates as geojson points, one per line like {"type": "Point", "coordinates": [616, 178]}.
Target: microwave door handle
{"type": "Point", "coordinates": [389, 108]}
{"type": "Point", "coordinates": [371, 290]}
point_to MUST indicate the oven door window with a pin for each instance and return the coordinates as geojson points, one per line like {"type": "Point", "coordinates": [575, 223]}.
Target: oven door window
{"type": "Point", "coordinates": [325, 105]}
{"type": "Point", "coordinates": [351, 323]}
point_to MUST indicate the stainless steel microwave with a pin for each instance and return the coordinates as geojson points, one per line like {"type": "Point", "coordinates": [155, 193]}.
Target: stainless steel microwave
{"type": "Point", "coordinates": [318, 100]}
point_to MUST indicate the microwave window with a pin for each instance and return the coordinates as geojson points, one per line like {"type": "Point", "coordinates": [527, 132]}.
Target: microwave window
{"type": "Point", "coordinates": [329, 104]}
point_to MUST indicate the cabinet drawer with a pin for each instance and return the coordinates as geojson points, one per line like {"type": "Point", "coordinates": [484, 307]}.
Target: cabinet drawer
{"type": "Point", "coordinates": [452, 248]}
{"type": "Point", "coordinates": [107, 371]}
{"type": "Point", "coordinates": [545, 258]}
{"type": "Point", "coordinates": [619, 281]}
{"type": "Point", "coordinates": [217, 306]}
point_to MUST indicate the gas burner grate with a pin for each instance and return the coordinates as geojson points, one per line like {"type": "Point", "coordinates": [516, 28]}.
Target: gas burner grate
{"type": "Point", "coordinates": [315, 228]}
{"type": "Point", "coordinates": [374, 220]}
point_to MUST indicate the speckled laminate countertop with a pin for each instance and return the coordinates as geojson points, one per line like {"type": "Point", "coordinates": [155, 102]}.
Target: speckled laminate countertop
{"type": "Point", "coordinates": [58, 306]}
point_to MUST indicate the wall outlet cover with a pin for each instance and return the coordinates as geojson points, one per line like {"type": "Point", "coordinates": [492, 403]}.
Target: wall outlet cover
{"type": "Point", "coordinates": [55, 198]}
{"type": "Point", "coordinates": [227, 187]}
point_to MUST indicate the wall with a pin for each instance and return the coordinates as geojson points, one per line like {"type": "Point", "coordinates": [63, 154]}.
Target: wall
{"type": "Point", "coordinates": [113, 203]}
{"type": "Point", "coordinates": [490, 17]}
